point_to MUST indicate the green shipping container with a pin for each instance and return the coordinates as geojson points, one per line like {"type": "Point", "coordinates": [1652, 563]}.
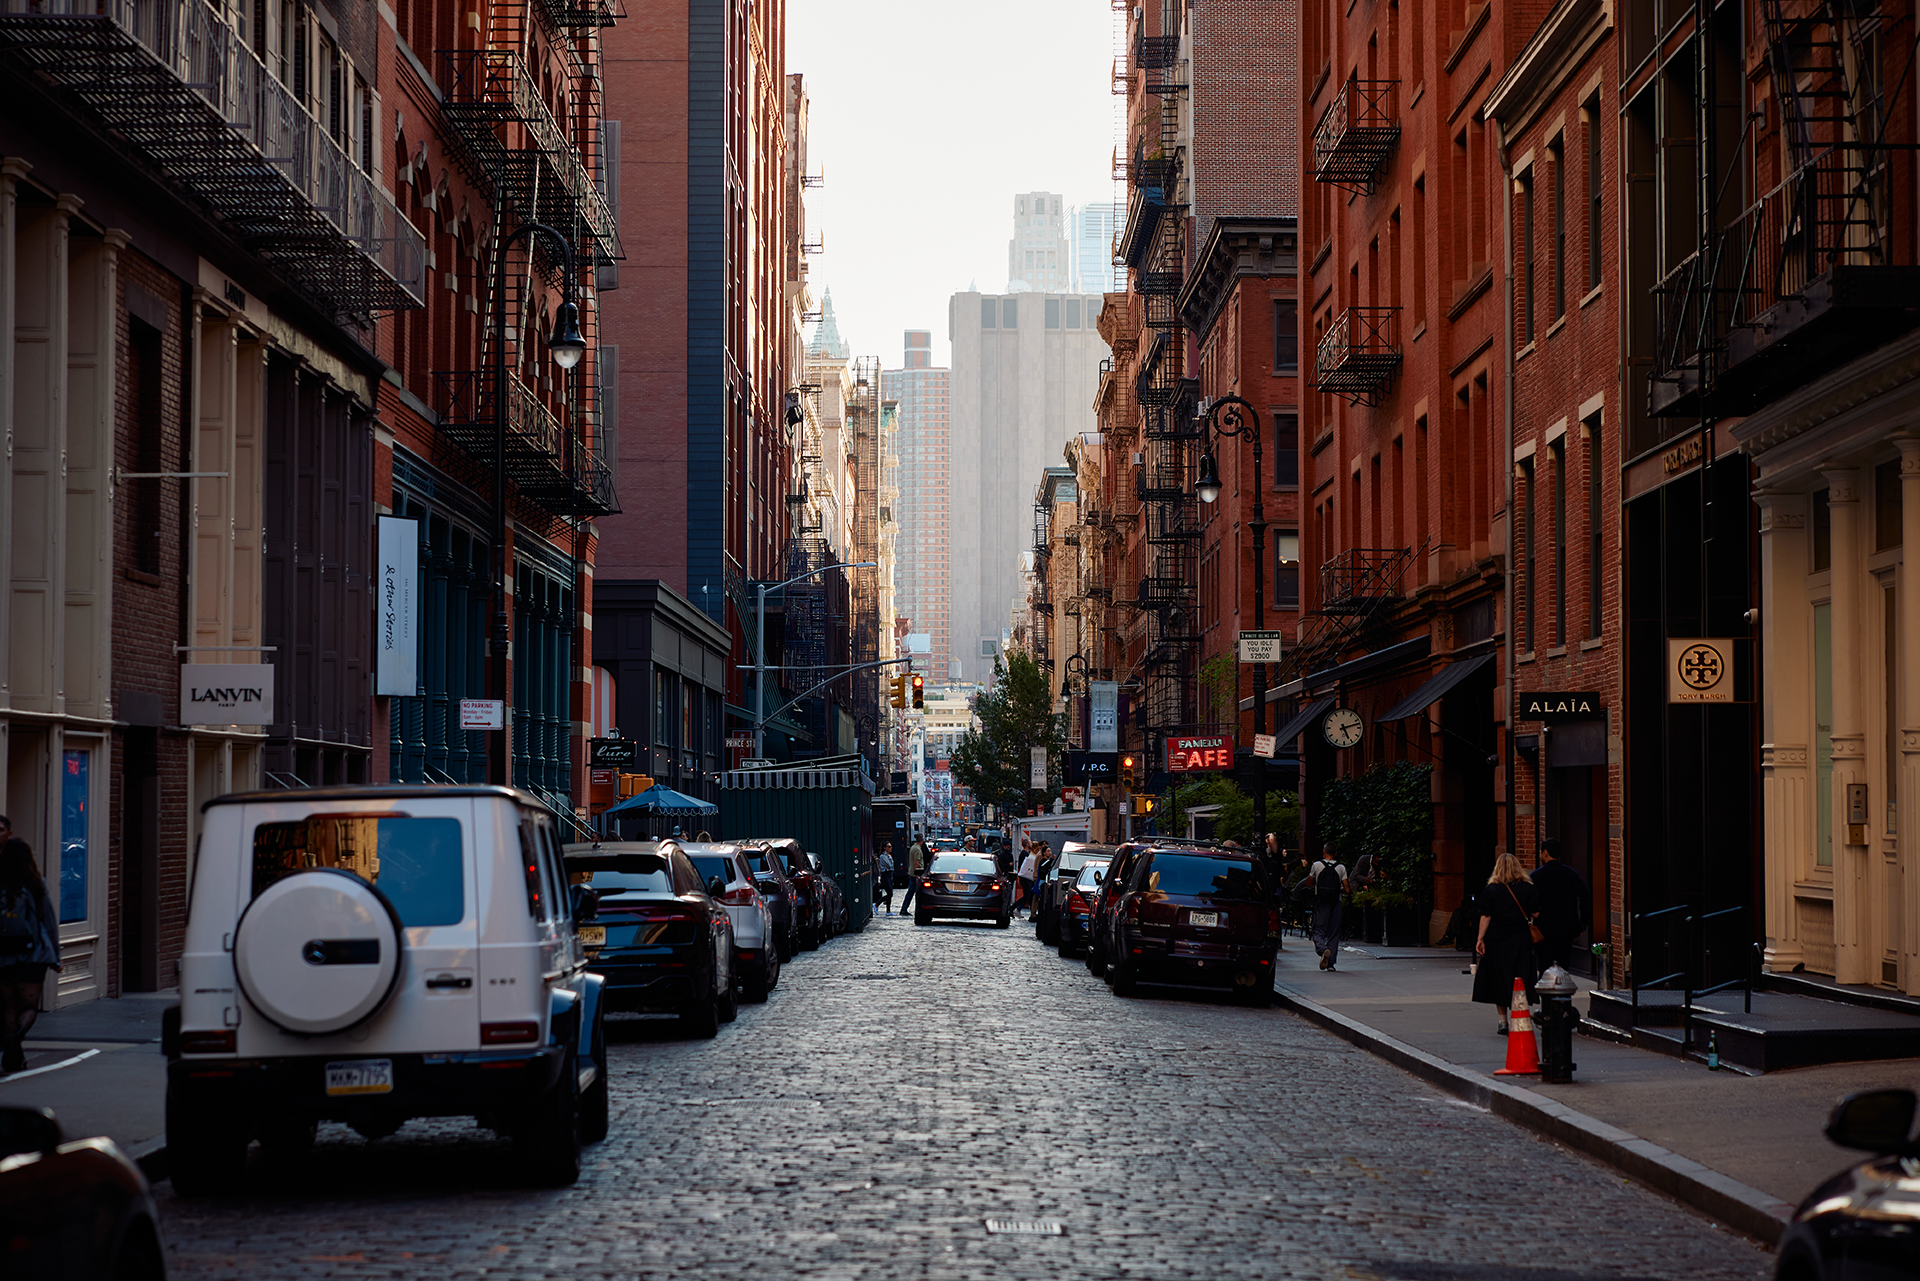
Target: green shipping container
{"type": "Point", "coordinates": [829, 811]}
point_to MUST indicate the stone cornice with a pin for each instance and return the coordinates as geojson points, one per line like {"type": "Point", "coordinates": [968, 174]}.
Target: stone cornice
{"type": "Point", "coordinates": [1563, 41]}
{"type": "Point", "coordinates": [1873, 397]}
{"type": "Point", "coordinates": [1233, 249]}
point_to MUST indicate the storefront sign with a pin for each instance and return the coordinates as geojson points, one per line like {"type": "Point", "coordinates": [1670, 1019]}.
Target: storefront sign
{"type": "Point", "coordinates": [1571, 705]}
{"type": "Point", "coordinates": [1103, 711]}
{"type": "Point", "coordinates": [1684, 455]}
{"type": "Point", "coordinates": [1091, 767]}
{"type": "Point", "coordinates": [615, 753]}
{"type": "Point", "coordinates": [226, 694]}
{"type": "Point", "coordinates": [397, 610]}
{"type": "Point", "coordinates": [1209, 753]}
{"type": "Point", "coordinates": [1700, 670]}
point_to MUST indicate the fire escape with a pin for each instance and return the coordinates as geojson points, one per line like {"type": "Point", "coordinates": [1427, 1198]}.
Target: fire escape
{"type": "Point", "coordinates": [1359, 355]}
{"type": "Point", "coordinates": [1821, 267]}
{"type": "Point", "coordinates": [181, 91]}
{"type": "Point", "coordinates": [863, 425]}
{"type": "Point", "coordinates": [534, 146]}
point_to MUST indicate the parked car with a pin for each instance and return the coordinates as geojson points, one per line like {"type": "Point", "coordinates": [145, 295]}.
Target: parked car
{"type": "Point", "coordinates": [371, 954]}
{"type": "Point", "coordinates": [1051, 894]}
{"type": "Point", "coordinates": [72, 1210]}
{"type": "Point", "coordinates": [665, 940]}
{"type": "Point", "coordinates": [1076, 906]}
{"type": "Point", "coordinates": [963, 885]}
{"type": "Point", "coordinates": [756, 953]}
{"type": "Point", "coordinates": [1100, 928]}
{"type": "Point", "coordinates": [814, 886]}
{"type": "Point", "coordinates": [1858, 1225]}
{"type": "Point", "coordinates": [783, 896]}
{"type": "Point", "coordinates": [834, 899]}
{"type": "Point", "coordinates": [1198, 918]}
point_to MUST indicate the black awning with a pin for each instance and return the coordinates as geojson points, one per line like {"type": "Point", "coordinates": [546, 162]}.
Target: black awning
{"type": "Point", "coordinates": [1302, 719]}
{"type": "Point", "coordinates": [1437, 685]}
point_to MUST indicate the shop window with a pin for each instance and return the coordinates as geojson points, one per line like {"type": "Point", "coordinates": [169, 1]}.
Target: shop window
{"type": "Point", "coordinates": [1888, 509]}
{"type": "Point", "coordinates": [1823, 733]}
{"type": "Point", "coordinates": [74, 815]}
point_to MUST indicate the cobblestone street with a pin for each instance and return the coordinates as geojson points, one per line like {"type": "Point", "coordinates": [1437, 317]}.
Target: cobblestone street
{"type": "Point", "coordinates": [905, 1084]}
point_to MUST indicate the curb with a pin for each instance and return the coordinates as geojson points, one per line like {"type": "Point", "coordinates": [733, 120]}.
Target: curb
{"type": "Point", "coordinates": [1745, 1209]}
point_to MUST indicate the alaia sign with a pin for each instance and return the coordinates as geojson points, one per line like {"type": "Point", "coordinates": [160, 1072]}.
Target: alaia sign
{"type": "Point", "coordinates": [1567, 705]}
{"type": "Point", "coordinates": [226, 694]}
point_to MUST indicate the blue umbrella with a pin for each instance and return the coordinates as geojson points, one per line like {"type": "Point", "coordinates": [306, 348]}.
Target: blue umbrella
{"type": "Point", "coordinates": [661, 799]}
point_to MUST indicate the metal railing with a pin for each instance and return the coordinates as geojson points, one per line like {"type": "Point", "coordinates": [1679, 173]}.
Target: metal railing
{"type": "Point", "coordinates": [1359, 354]}
{"type": "Point", "coordinates": [217, 121]}
{"type": "Point", "coordinates": [1691, 938]}
{"type": "Point", "coordinates": [1356, 132]}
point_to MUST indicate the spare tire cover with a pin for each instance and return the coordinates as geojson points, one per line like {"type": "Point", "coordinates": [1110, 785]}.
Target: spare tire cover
{"type": "Point", "coordinates": [318, 952]}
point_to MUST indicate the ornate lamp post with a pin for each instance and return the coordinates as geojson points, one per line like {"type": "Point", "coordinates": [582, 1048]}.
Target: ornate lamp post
{"type": "Point", "coordinates": [1230, 418]}
{"type": "Point", "coordinates": [567, 346]}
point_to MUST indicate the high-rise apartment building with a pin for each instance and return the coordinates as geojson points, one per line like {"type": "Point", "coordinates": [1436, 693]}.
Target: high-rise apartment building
{"type": "Point", "coordinates": [921, 574]}
{"type": "Point", "coordinates": [1091, 230]}
{"type": "Point", "coordinates": [1039, 257]}
{"type": "Point", "coordinates": [1025, 367]}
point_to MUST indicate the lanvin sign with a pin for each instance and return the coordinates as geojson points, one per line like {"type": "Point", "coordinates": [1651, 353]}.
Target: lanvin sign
{"type": "Point", "coordinates": [226, 694]}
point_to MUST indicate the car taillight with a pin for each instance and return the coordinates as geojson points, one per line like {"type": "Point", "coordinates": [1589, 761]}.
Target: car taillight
{"type": "Point", "coordinates": [742, 897]}
{"type": "Point", "coordinates": [1076, 902]}
{"type": "Point", "coordinates": [508, 1033]}
{"type": "Point", "coordinates": [1273, 920]}
{"type": "Point", "coordinates": [996, 885]}
{"type": "Point", "coordinates": [222, 1042]}
{"type": "Point", "coordinates": [926, 885]}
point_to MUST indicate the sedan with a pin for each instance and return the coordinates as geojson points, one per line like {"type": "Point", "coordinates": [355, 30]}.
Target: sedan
{"type": "Point", "coordinates": [756, 953]}
{"type": "Point", "coordinates": [1076, 906]}
{"type": "Point", "coordinates": [782, 895]}
{"type": "Point", "coordinates": [1858, 1225]}
{"type": "Point", "coordinates": [1050, 895]}
{"type": "Point", "coordinates": [75, 1209]}
{"type": "Point", "coordinates": [659, 936]}
{"type": "Point", "coordinates": [814, 888]}
{"type": "Point", "coordinates": [963, 885]}
{"type": "Point", "coordinates": [1198, 918]}
{"type": "Point", "coordinates": [1100, 928]}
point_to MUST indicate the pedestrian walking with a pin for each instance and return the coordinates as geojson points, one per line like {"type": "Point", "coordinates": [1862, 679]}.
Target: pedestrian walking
{"type": "Point", "coordinates": [916, 865]}
{"type": "Point", "coordinates": [883, 878]}
{"type": "Point", "coordinates": [29, 945]}
{"type": "Point", "coordinates": [1328, 876]}
{"type": "Point", "coordinates": [1029, 874]}
{"type": "Point", "coordinates": [1565, 905]}
{"type": "Point", "coordinates": [1504, 948]}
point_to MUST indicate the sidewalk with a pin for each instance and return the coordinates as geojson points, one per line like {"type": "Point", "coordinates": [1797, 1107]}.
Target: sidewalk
{"type": "Point", "coordinates": [1742, 1149]}
{"type": "Point", "coordinates": [98, 1066]}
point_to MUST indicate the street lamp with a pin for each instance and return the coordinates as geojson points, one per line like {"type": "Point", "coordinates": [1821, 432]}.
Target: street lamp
{"type": "Point", "coordinates": [567, 347]}
{"type": "Point", "coordinates": [1230, 418]}
{"type": "Point", "coordinates": [760, 644]}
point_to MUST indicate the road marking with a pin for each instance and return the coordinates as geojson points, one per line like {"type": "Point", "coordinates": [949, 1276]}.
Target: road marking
{"type": "Point", "coordinates": [51, 1067]}
{"type": "Point", "coordinates": [1027, 1227]}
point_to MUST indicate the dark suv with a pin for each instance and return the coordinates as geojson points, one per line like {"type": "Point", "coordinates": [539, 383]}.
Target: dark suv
{"type": "Point", "coordinates": [1050, 896]}
{"type": "Point", "coordinates": [1198, 918]}
{"type": "Point", "coordinates": [1100, 926]}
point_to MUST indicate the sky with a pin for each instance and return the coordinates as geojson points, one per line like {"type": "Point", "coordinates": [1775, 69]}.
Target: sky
{"type": "Point", "coordinates": [926, 120]}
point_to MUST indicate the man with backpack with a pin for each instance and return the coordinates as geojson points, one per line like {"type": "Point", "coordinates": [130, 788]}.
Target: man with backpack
{"type": "Point", "coordinates": [1328, 876]}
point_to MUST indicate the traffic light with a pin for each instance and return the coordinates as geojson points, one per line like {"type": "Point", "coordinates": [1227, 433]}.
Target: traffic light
{"type": "Point", "coordinates": [1144, 805]}
{"type": "Point", "coordinates": [634, 784]}
{"type": "Point", "coordinates": [919, 692]}
{"type": "Point", "coordinates": [898, 686]}
{"type": "Point", "coordinates": [1126, 773]}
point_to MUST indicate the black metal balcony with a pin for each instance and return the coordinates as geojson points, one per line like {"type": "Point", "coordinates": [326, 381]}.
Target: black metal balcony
{"type": "Point", "coordinates": [1155, 53]}
{"type": "Point", "coordinates": [1356, 133]}
{"type": "Point", "coordinates": [549, 463]}
{"type": "Point", "coordinates": [585, 13]}
{"type": "Point", "coordinates": [173, 85]}
{"type": "Point", "coordinates": [1812, 274]}
{"type": "Point", "coordinates": [1361, 579]}
{"type": "Point", "coordinates": [1359, 356]}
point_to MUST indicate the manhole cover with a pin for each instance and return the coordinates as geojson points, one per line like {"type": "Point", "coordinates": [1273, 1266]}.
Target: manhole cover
{"type": "Point", "coordinates": [1026, 1227]}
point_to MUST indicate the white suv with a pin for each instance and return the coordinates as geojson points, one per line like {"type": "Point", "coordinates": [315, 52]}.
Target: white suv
{"type": "Point", "coordinates": [372, 954]}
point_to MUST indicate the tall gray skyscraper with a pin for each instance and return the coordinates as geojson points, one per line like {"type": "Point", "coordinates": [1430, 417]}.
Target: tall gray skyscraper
{"type": "Point", "coordinates": [921, 555]}
{"type": "Point", "coordinates": [1039, 257]}
{"type": "Point", "coordinates": [1025, 368]}
{"type": "Point", "coordinates": [1090, 231]}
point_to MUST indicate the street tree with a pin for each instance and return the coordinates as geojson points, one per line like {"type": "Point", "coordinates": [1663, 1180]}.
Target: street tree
{"type": "Point", "coordinates": [1015, 715]}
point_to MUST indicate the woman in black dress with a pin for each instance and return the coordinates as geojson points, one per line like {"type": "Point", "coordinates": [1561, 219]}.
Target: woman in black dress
{"type": "Point", "coordinates": [1505, 946]}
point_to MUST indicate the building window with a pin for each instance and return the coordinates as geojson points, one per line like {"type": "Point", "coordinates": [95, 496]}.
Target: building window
{"type": "Point", "coordinates": [1286, 569]}
{"type": "Point", "coordinates": [1524, 596]}
{"type": "Point", "coordinates": [1286, 450]}
{"type": "Point", "coordinates": [1010, 313]}
{"type": "Point", "coordinates": [989, 312]}
{"type": "Point", "coordinates": [1556, 153]}
{"type": "Point", "coordinates": [1823, 732]}
{"type": "Point", "coordinates": [1286, 336]}
{"type": "Point", "coordinates": [1053, 313]}
{"type": "Point", "coordinates": [1557, 461]}
{"type": "Point", "coordinates": [662, 693]}
{"type": "Point", "coordinates": [1526, 258]}
{"type": "Point", "coordinates": [1593, 193]}
{"type": "Point", "coordinates": [1595, 524]}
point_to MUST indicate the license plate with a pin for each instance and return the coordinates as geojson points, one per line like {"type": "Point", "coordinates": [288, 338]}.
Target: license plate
{"type": "Point", "coordinates": [1203, 918]}
{"type": "Point", "coordinates": [363, 1076]}
{"type": "Point", "coordinates": [593, 935]}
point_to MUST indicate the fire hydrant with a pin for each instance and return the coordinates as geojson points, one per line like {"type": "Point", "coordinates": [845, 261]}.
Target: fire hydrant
{"type": "Point", "coordinates": [1558, 1018]}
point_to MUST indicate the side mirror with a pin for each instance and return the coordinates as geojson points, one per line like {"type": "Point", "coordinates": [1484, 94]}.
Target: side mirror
{"type": "Point", "coordinates": [584, 901]}
{"type": "Point", "coordinates": [25, 1130]}
{"type": "Point", "coordinates": [717, 888]}
{"type": "Point", "coordinates": [1875, 1121]}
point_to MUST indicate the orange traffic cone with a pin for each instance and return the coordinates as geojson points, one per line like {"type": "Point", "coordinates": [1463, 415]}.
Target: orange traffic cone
{"type": "Point", "coordinates": [1523, 1056]}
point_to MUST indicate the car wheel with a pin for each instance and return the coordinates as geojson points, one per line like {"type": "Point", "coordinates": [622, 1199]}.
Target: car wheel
{"type": "Point", "coordinates": [206, 1152]}
{"type": "Point", "coordinates": [1096, 963]}
{"type": "Point", "coordinates": [728, 1000]}
{"type": "Point", "coordinates": [702, 1019]}
{"type": "Point", "coordinates": [1125, 981]}
{"type": "Point", "coordinates": [1003, 923]}
{"type": "Point", "coordinates": [756, 986]}
{"type": "Point", "coordinates": [140, 1257]}
{"type": "Point", "coordinates": [550, 1134]}
{"type": "Point", "coordinates": [596, 1104]}
{"type": "Point", "coordinates": [922, 918]}
{"type": "Point", "coordinates": [809, 940]}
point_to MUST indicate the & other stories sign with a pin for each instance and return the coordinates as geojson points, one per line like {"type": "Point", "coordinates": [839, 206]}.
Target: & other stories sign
{"type": "Point", "coordinates": [226, 694]}
{"type": "Point", "coordinates": [1207, 753]}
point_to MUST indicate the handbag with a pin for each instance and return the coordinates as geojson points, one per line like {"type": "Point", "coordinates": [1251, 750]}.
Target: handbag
{"type": "Point", "coordinates": [1534, 931]}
